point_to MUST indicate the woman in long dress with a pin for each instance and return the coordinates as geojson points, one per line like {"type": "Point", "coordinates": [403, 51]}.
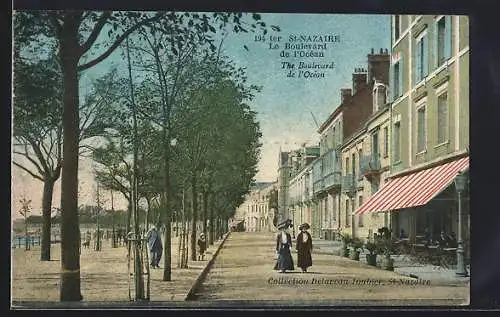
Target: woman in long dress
{"type": "Point", "coordinates": [304, 248]}
{"type": "Point", "coordinates": [283, 246]}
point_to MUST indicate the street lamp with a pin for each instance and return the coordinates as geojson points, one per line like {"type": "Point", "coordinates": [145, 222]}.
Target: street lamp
{"type": "Point", "coordinates": [460, 185]}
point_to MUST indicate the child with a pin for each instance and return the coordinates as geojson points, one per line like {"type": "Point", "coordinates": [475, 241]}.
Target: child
{"type": "Point", "coordinates": [202, 246]}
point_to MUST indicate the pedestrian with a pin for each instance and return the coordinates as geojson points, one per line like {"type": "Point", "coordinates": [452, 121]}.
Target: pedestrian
{"type": "Point", "coordinates": [304, 248]}
{"type": "Point", "coordinates": [155, 247]}
{"type": "Point", "coordinates": [202, 247]}
{"type": "Point", "coordinates": [283, 246]}
{"type": "Point", "coordinates": [86, 240]}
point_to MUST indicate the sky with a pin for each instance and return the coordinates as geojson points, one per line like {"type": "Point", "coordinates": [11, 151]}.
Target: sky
{"type": "Point", "coordinates": [285, 106]}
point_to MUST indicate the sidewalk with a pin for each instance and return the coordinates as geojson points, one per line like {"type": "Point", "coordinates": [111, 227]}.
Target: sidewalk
{"type": "Point", "coordinates": [402, 265]}
{"type": "Point", "coordinates": [103, 276]}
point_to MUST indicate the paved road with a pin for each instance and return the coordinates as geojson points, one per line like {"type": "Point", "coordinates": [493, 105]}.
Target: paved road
{"type": "Point", "coordinates": [243, 273]}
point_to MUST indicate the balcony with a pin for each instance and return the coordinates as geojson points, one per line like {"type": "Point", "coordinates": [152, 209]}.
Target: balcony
{"type": "Point", "coordinates": [332, 180]}
{"type": "Point", "coordinates": [318, 186]}
{"type": "Point", "coordinates": [326, 172]}
{"type": "Point", "coordinates": [348, 183]}
{"type": "Point", "coordinates": [369, 166]}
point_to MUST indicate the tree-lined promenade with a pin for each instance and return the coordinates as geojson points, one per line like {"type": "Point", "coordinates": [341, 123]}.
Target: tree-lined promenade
{"type": "Point", "coordinates": [104, 275]}
{"type": "Point", "coordinates": [170, 125]}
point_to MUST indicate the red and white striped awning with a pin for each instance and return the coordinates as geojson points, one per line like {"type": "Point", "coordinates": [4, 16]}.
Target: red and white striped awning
{"type": "Point", "coordinates": [415, 189]}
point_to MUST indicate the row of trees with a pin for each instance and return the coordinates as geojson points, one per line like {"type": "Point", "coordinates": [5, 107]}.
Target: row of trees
{"type": "Point", "coordinates": [179, 133]}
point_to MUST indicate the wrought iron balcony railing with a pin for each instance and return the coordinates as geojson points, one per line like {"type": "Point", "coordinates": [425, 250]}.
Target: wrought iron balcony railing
{"type": "Point", "coordinates": [369, 164]}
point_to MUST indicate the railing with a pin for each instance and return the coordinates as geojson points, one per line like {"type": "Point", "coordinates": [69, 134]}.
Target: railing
{"type": "Point", "coordinates": [327, 171]}
{"type": "Point", "coordinates": [347, 183]}
{"type": "Point", "coordinates": [333, 179]}
{"type": "Point", "coordinates": [369, 164]}
{"type": "Point", "coordinates": [318, 186]}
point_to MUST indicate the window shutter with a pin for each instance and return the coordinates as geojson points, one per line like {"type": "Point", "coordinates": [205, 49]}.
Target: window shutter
{"type": "Point", "coordinates": [435, 46]}
{"type": "Point", "coordinates": [418, 57]}
{"type": "Point", "coordinates": [401, 67]}
{"type": "Point", "coordinates": [391, 83]}
{"type": "Point", "coordinates": [447, 37]}
{"type": "Point", "coordinates": [426, 55]}
{"type": "Point", "coordinates": [414, 60]}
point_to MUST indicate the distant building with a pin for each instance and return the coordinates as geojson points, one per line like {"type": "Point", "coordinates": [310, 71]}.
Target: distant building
{"type": "Point", "coordinates": [255, 210]}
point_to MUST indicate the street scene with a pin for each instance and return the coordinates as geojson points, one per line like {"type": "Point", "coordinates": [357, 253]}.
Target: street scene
{"type": "Point", "coordinates": [212, 159]}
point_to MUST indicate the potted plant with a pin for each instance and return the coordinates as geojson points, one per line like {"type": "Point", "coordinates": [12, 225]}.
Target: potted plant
{"type": "Point", "coordinates": [346, 243]}
{"type": "Point", "coordinates": [387, 246]}
{"type": "Point", "coordinates": [371, 257]}
{"type": "Point", "coordinates": [355, 249]}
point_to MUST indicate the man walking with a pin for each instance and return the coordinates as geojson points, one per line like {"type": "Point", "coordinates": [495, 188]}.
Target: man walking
{"type": "Point", "coordinates": [155, 246]}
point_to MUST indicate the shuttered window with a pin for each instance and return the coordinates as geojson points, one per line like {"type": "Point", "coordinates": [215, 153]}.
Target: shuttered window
{"type": "Point", "coordinates": [421, 129]}
{"type": "Point", "coordinates": [420, 59]}
{"type": "Point", "coordinates": [442, 128]}
{"type": "Point", "coordinates": [386, 141]}
{"type": "Point", "coordinates": [397, 142]}
{"type": "Point", "coordinates": [347, 213]}
{"type": "Point", "coordinates": [442, 40]}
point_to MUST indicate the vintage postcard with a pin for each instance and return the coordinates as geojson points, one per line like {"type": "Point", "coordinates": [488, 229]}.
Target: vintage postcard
{"type": "Point", "coordinates": [239, 159]}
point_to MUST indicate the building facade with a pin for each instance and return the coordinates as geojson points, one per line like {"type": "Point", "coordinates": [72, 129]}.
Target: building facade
{"type": "Point", "coordinates": [361, 148]}
{"type": "Point", "coordinates": [255, 210]}
{"type": "Point", "coordinates": [429, 125]}
{"type": "Point", "coordinates": [300, 204]}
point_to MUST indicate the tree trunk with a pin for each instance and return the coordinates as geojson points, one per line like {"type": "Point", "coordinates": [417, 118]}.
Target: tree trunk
{"type": "Point", "coordinates": [167, 250]}
{"type": "Point", "coordinates": [70, 257]}
{"type": "Point", "coordinates": [48, 189]}
{"type": "Point", "coordinates": [205, 213]}
{"type": "Point", "coordinates": [194, 199]}
{"type": "Point", "coordinates": [212, 220]}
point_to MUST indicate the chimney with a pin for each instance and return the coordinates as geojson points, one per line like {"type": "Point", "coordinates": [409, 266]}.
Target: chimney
{"type": "Point", "coordinates": [359, 79]}
{"type": "Point", "coordinates": [345, 94]}
{"type": "Point", "coordinates": [378, 66]}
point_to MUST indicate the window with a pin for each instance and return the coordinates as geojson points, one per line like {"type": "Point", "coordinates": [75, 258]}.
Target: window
{"type": "Point", "coordinates": [442, 42]}
{"type": "Point", "coordinates": [347, 216]}
{"type": "Point", "coordinates": [396, 76]}
{"type": "Point", "coordinates": [360, 217]}
{"type": "Point", "coordinates": [346, 165]}
{"type": "Point", "coordinates": [421, 129]}
{"type": "Point", "coordinates": [397, 27]}
{"type": "Point", "coordinates": [379, 97]}
{"type": "Point", "coordinates": [442, 121]}
{"type": "Point", "coordinates": [386, 141]}
{"type": "Point", "coordinates": [397, 141]}
{"type": "Point", "coordinates": [353, 167]}
{"type": "Point", "coordinates": [420, 61]}
{"type": "Point", "coordinates": [334, 144]}
{"type": "Point", "coordinates": [375, 186]}
{"type": "Point", "coordinates": [375, 145]}
{"type": "Point", "coordinates": [396, 81]}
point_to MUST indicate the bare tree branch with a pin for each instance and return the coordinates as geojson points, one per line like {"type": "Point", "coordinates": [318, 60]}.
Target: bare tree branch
{"type": "Point", "coordinates": [28, 171]}
{"type": "Point", "coordinates": [95, 32]}
{"type": "Point", "coordinates": [118, 41]}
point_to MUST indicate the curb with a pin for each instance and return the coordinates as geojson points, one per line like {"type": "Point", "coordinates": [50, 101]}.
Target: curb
{"type": "Point", "coordinates": [201, 277]}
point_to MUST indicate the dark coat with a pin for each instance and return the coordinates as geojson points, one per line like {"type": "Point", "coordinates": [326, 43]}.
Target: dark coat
{"type": "Point", "coordinates": [154, 241]}
{"type": "Point", "coordinates": [285, 261]}
{"type": "Point", "coordinates": [304, 259]}
{"type": "Point", "coordinates": [202, 245]}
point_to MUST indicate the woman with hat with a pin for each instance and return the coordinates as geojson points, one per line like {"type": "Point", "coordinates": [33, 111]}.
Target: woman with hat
{"type": "Point", "coordinates": [304, 248]}
{"type": "Point", "coordinates": [283, 246]}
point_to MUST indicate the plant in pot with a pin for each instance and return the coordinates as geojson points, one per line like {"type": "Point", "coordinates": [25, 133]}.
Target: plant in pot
{"type": "Point", "coordinates": [355, 249]}
{"type": "Point", "coordinates": [387, 246]}
{"type": "Point", "coordinates": [371, 257]}
{"type": "Point", "coordinates": [346, 243]}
